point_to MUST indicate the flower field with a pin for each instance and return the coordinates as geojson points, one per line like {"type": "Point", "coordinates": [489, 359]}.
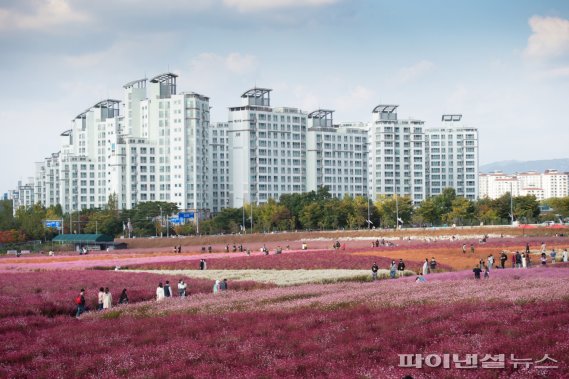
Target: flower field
{"type": "Point", "coordinates": [281, 277]}
{"type": "Point", "coordinates": [307, 260]}
{"type": "Point", "coordinates": [51, 293]}
{"type": "Point", "coordinates": [336, 339]}
{"type": "Point", "coordinates": [352, 329]}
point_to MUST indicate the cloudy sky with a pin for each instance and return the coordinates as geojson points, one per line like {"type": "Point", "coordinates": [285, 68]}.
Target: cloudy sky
{"type": "Point", "coordinates": [504, 65]}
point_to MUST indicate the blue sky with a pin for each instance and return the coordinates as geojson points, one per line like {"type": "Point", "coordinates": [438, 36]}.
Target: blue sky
{"type": "Point", "coordinates": [503, 64]}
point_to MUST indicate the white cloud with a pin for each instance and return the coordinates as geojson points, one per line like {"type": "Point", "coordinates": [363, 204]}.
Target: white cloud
{"type": "Point", "coordinates": [240, 63]}
{"type": "Point", "coordinates": [407, 74]}
{"type": "Point", "coordinates": [359, 97]}
{"type": "Point", "coordinates": [234, 62]}
{"type": "Point", "coordinates": [48, 13]}
{"type": "Point", "coordinates": [264, 5]}
{"type": "Point", "coordinates": [550, 37]}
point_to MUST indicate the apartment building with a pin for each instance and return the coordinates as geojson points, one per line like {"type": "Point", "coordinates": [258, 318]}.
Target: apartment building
{"type": "Point", "coordinates": [397, 159]}
{"type": "Point", "coordinates": [267, 149]}
{"type": "Point", "coordinates": [452, 151]}
{"type": "Point", "coordinates": [336, 155]}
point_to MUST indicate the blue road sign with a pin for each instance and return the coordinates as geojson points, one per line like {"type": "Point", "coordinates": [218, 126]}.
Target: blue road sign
{"type": "Point", "coordinates": [175, 220]}
{"type": "Point", "coordinates": [186, 215]}
{"type": "Point", "coordinates": [53, 224]}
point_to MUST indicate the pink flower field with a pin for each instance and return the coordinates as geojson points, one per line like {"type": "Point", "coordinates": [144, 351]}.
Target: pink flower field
{"type": "Point", "coordinates": [308, 260]}
{"type": "Point", "coordinates": [341, 330]}
{"type": "Point", "coordinates": [52, 293]}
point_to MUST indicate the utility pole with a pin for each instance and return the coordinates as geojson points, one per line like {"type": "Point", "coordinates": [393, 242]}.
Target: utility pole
{"type": "Point", "coordinates": [161, 221]}
{"type": "Point", "coordinates": [396, 212]}
{"type": "Point", "coordinates": [368, 215]}
{"type": "Point", "coordinates": [512, 203]}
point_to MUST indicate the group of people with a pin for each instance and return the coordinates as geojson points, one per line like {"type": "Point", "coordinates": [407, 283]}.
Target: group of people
{"type": "Point", "coordinates": [164, 291]}
{"type": "Point", "coordinates": [104, 300]}
{"type": "Point", "coordinates": [396, 269]}
{"type": "Point", "coordinates": [220, 286]}
{"type": "Point", "coordinates": [178, 249]}
{"type": "Point", "coordinates": [203, 264]}
{"type": "Point", "coordinates": [464, 248]}
{"type": "Point", "coordinates": [383, 242]}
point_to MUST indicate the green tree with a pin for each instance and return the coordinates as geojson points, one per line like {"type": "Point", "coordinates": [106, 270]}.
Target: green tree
{"type": "Point", "coordinates": [7, 220]}
{"type": "Point", "coordinates": [526, 208]}
{"type": "Point", "coordinates": [30, 221]}
{"type": "Point", "coordinates": [389, 207]}
{"type": "Point", "coordinates": [428, 212]}
{"type": "Point", "coordinates": [462, 210]}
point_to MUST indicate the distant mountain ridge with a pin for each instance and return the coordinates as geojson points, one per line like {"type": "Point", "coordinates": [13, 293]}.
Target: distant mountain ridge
{"type": "Point", "coordinates": [511, 167]}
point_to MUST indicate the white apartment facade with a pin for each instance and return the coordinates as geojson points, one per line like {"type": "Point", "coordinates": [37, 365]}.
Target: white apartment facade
{"type": "Point", "coordinates": [267, 150]}
{"type": "Point", "coordinates": [158, 149]}
{"type": "Point", "coordinates": [452, 158]}
{"type": "Point", "coordinates": [336, 155]}
{"type": "Point", "coordinates": [219, 165]}
{"type": "Point", "coordinates": [397, 159]}
{"type": "Point", "coordinates": [546, 185]}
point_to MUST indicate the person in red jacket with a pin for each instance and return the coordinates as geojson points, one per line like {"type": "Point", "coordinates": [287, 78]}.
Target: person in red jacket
{"type": "Point", "coordinates": [513, 260]}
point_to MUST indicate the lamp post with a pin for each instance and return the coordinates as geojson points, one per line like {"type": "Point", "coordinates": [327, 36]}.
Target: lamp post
{"type": "Point", "coordinates": [396, 213]}
{"type": "Point", "coordinates": [512, 202]}
{"type": "Point", "coordinates": [161, 220]}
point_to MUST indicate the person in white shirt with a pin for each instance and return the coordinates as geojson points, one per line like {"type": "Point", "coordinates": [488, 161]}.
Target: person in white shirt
{"type": "Point", "coordinates": [565, 255]}
{"type": "Point", "coordinates": [160, 292]}
{"type": "Point", "coordinates": [182, 288]}
{"type": "Point", "coordinates": [100, 299]}
{"type": "Point", "coordinates": [107, 299]}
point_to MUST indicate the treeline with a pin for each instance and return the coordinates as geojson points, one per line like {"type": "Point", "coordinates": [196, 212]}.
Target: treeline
{"type": "Point", "coordinates": [307, 211]}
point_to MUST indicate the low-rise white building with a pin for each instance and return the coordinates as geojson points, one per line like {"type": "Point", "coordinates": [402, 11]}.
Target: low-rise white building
{"type": "Point", "coordinates": [548, 184]}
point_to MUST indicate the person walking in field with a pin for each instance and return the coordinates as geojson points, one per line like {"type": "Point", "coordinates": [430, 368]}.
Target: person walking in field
{"type": "Point", "coordinates": [216, 287]}
{"type": "Point", "coordinates": [503, 259]}
{"type": "Point", "coordinates": [374, 269]}
{"type": "Point", "coordinates": [486, 272]}
{"type": "Point", "coordinates": [543, 246]}
{"type": "Point", "coordinates": [392, 270]}
{"type": "Point", "coordinates": [463, 248]}
{"type": "Point", "coordinates": [123, 299]}
{"type": "Point", "coordinates": [202, 264]}
{"type": "Point", "coordinates": [518, 260]}
{"type": "Point", "coordinates": [513, 259]}
{"type": "Point", "coordinates": [107, 299]}
{"type": "Point", "coordinates": [401, 267]}
{"type": "Point", "coordinates": [433, 264]}
{"type": "Point", "coordinates": [490, 261]}
{"type": "Point", "coordinates": [524, 261]}
{"type": "Point", "coordinates": [543, 259]}
{"type": "Point", "coordinates": [160, 292]}
{"type": "Point", "coordinates": [476, 271]}
{"type": "Point", "coordinates": [167, 290]}
{"type": "Point", "coordinates": [553, 255]}
{"type": "Point", "coordinates": [565, 256]}
{"type": "Point", "coordinates": [181, 288]}
{"type": "Point", "coordinates": [426, 266]}
{"type": "Point", "coordinates": [100, 298]}
{"type": "Point", "coordinates": [80, 301]}
{"type": "Point", "coordinates": [223, 285]}
{"type": "Point", "coordinates": [472, 248]}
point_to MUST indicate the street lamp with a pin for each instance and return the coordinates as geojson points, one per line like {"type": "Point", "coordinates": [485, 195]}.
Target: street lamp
{"type": "Point", "coordinates": [161, 220]}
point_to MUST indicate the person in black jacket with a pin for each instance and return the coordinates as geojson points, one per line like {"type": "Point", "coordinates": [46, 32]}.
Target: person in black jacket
{"type": "Point", "coordinates": [401, 267]}
{"type": "Point", "coordinates": [123, 299]}
{"type": "Point", "coordinates": [374, 270]}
